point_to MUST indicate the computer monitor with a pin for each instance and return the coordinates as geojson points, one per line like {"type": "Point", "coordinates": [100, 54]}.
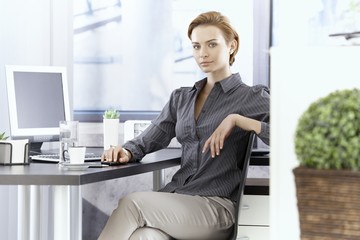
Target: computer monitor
{"type": "Point", "coordinates": [38, 99]}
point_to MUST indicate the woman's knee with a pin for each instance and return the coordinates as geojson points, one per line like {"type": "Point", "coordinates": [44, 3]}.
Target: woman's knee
{"type": "Point", "coordinates": [130, 198]}
{"type": "Point", "coordinates": [147, 233]}
{"type": "Point", "coordinates": [131, 203]}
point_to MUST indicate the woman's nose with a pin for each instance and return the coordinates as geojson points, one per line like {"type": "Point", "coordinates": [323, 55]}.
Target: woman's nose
{"type": "Point", "coordinates": [203, 54]}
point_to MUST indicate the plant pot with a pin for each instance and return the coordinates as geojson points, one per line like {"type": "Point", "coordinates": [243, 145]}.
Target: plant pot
{"type": "Point", "coordinates": [111, 132]}
{"type": "Point", "coordinates": [328, 203]}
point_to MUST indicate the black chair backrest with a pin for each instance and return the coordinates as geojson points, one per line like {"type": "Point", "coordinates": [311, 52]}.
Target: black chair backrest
{"type": "Point", "coordinates": [243, 165]}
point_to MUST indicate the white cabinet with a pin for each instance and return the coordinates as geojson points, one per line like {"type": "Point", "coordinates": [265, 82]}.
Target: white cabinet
{"type": "Point", "coordinates": [253, 233]}
{"type": "Point", "coordinates": [254, 221]}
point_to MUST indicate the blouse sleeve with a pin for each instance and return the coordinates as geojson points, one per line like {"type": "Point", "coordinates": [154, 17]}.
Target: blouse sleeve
{"type": "Point", "coordinates": [158, 134]}
{"type": "Point", "coordinates": [259, 109]}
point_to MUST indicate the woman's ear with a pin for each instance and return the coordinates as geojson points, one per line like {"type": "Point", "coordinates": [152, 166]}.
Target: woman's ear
{"type": "Point", "coordinates": [233, 46]}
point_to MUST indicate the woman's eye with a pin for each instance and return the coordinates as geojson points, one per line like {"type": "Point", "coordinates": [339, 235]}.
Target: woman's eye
{"type": "Point", "coordinates": [196, 46]}
{"type": "Point", "coordinates": [212, 45]}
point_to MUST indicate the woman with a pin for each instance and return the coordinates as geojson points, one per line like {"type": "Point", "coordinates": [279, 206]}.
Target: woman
{"type": "Point", "coordinates": [209, 121]}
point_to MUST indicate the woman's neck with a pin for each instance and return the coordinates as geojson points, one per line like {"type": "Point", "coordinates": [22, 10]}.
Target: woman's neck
{"type": "Point", "coordinates": [214, 77]}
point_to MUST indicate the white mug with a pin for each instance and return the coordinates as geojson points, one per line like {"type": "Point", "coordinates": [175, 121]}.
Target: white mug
{"type": "Point", "coordinates": [76, 154]}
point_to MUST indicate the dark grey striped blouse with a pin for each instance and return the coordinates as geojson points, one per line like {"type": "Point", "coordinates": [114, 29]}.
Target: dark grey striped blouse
{"type": "Point", "coordinates": [199, 173]}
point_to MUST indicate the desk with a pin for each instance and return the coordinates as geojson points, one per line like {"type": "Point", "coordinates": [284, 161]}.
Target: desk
{"type": "Point", "coordinates": [66, 188]}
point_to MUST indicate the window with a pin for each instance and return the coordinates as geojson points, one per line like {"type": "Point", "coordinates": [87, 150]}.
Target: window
{"type": "Point", "coordinates": [131, 54]}
{"type": "Point", "coordinates": [311, 22]}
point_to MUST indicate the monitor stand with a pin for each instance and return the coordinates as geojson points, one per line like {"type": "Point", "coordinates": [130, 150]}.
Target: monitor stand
{"type": "Point", "coordinates": [35, 147]}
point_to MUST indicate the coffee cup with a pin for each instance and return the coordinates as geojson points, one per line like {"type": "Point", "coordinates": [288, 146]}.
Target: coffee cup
{"type": "Point", "coordinates": [76, 154]}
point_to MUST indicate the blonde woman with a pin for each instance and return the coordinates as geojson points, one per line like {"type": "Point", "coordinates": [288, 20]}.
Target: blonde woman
{"type": "Point", "coordinates": [209, 120]}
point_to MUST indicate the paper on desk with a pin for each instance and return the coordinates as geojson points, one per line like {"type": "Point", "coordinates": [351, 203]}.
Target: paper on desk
{"type": "Point", "coordinates": [18, 151]}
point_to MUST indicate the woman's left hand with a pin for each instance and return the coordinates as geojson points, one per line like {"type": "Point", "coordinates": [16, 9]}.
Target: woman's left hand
{"type": "Point", "coordinates": [216, 140]}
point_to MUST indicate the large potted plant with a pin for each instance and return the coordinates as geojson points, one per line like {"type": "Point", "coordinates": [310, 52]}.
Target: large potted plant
{"type": "Point", "coordinates": [327, 145]}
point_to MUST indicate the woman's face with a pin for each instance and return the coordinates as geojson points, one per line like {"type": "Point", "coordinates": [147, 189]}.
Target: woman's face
{"type": "Point", "coordinates": [210, 49]}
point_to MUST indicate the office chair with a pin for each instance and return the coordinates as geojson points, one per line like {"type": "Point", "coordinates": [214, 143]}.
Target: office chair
{"type": "Point", "coordinates": [243, 164]}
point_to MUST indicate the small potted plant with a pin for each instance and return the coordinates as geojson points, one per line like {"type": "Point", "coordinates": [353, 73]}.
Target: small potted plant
{"type": "Point", "coordinates": [111, 114]}
{"type": "Point", "coordinates": [3, 137]}
{"type": "Point", "coordinates": [111, 128]}
{"type": "Point", "coordinates": [327, 145]}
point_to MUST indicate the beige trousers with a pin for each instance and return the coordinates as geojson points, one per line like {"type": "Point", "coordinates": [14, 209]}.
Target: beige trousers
{"type": "Point", "coordinates": [165, 216]}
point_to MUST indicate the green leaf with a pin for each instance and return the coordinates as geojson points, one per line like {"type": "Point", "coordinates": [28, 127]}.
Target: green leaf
{"type": "Point", "coordinates": [111, 114]}
{"type": "Point", "coordinates": [328, 132]}
{"type": "Point", "coordinates": [3, 137]}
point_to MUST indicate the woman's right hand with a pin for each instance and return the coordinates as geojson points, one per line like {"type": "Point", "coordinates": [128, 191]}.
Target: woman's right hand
{"type": "Point", "coordinates": [116, 154]}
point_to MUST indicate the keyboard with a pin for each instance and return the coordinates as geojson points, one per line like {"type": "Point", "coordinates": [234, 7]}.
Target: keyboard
{"type": "Point", "coordinates": [55, 157]}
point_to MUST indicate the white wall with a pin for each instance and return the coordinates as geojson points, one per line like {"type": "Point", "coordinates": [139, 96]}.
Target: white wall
{"type": "Point", "coordinates": [32, 32]}
{"type": "Point", "coordinates": [299, 76]}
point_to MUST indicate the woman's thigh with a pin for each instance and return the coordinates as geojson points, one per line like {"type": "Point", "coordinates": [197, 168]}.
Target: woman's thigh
{"type": "Point", "coordinates": [183, 216]}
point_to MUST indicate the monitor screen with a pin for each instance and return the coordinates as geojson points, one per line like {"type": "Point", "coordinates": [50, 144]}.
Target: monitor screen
{"type": "Point", "coordinates": [37, 99]}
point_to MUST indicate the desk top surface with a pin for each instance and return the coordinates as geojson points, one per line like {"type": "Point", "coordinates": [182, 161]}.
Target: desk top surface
{"type": "Point", "coordinates": [52, 174]}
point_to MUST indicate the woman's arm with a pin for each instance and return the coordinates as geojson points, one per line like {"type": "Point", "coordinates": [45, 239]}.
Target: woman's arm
{"type": "Point", "coordinates": [216, 141]}
{"type": "Point", "coordinates": [155, 137]}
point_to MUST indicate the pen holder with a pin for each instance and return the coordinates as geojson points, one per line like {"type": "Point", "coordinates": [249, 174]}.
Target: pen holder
{"type": "Point", "coordinates": [14, 152]}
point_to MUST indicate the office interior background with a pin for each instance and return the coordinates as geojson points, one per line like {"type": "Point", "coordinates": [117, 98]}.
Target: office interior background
{"type": "Point", "coordinates": [130, 54]}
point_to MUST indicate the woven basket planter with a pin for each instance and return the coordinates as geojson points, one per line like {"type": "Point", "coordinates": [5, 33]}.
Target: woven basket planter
{"type": "Point", "coordinates": [328, 203]}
